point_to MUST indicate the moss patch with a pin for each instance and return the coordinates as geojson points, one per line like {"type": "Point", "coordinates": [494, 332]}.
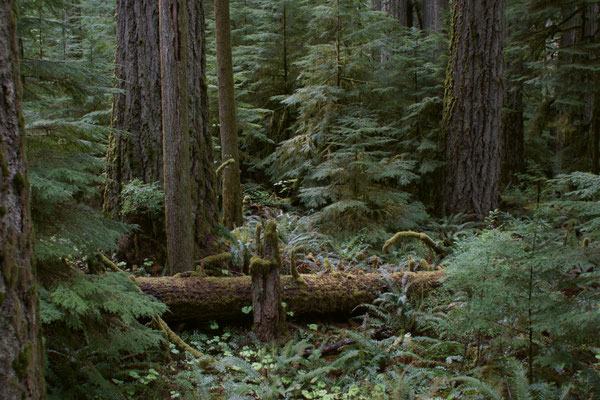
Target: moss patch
{"type": "Point", "coordinates": [19, 181]}
{"type": "Point", "coordinates": [3, 211]}
{"type": "Point", "coordinates": [23, 360]}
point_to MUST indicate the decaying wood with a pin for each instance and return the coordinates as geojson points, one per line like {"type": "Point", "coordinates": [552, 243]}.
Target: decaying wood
{"type": "Point", "coordinates": [269, 315]}
{"type": "Point", "coordinates": [196, 298]}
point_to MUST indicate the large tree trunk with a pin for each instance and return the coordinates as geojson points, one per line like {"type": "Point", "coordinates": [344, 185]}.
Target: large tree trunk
{"type": "Point", "coordinates": [433, 14]}
{"type": "Point", "coordinates": [202, 299]}
{"type": "Point", "coordinates": [137, 151]}
{"type": "Point", "coordinates": [472, 122]}
{"type": "Point", "coordinates": [232, 192]}
{"type": "Point", "coordinates": [176, 140]}
{"type": "Point", "coordinates": [21, 352]}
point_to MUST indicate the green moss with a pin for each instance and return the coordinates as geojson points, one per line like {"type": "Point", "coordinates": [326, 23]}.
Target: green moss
{"type": "Point", "coordinates": [19, 181]}
{"type": "Point", "coordinates": [3, 211]}
{"type": "Point", "coordinates": [216, 260]}
{"type": "Point", "coordinates": [23, 360]}
{"type": "Point", "coordinates": [258, 266]}
{"type": "Point", "coordinates": [296, 278]}
{"type": "Point", "coordinates": [257, 239]}
{"type": "Point", "coordinates": [2, 295]}
{"type": "Point", "coordinates": [3, 161]}
{"type": "Point", "coordinates": [425, 265]}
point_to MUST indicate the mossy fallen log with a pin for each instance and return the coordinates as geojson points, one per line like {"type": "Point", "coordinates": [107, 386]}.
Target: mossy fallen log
{"type": "Point", "coordinates": [194, 298]}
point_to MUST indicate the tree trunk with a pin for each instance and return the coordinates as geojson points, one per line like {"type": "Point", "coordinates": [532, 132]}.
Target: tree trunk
{"type": "Point", "coordinates": [433, 14]}
{"type": "Point", "coordinates": [138, 152]}
{"type": "Point", "coordinates": [232, 192]}
{"type": "Point", "coordinates": [269, 315]}
{"type": "Point", "coordinates": [398, 9]}
{"type": "Point", "coordinates": [513, 137]}
{"type": "Point", "coordinates": [21, 351]}
{"type": "Point", "coordinates": [176, 140]}
{"type": "Point", "coordinates": [203, 299]}
{"type": "Point", "coordinates": [472, 121]}
{"type": "Point", "coordinates": [591, 117]}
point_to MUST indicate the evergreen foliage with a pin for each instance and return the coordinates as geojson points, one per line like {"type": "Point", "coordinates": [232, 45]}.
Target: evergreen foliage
{"type": "Point", "coordinates": [91, 324]}
{"type": "Point", "coordinates": [66, 61]}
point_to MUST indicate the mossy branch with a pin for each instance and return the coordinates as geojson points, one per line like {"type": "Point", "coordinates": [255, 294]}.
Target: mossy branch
{"type": "Point", "coordinates": [224, 165]}
{"type": "Point", "coordinates": [217, 260]}
{"type": "Point", "coordinates": [108, 263]}
{"type": "Point", "coordinates": [401, 236]}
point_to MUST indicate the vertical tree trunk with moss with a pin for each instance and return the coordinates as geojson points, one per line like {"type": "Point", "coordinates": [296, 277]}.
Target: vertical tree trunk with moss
{"type": "Point", "coordinates": [269, 315]}
{"type": "Point", "coordinates": [21, 352]}
{"type": "Point", "coordinates": [472, 121]}
{"type": "Point", "coordinates": [137, 151]}
{"type": "Point", "coordinates": [232, 192]}
{"type": "Point", "coordinates": [176, 141]}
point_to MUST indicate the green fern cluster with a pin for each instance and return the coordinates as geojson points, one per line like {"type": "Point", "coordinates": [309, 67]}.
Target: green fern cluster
{"type": "Point", "coordinates": [91, 325]}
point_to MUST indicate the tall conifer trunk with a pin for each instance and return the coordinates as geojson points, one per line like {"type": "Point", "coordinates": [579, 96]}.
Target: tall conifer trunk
{"type": "Point", "coordinates": [21, 352]}
{"type": "Point", "coordinates": [472, 121]}
{"type": "Point", "coordinates": [138, 152]}
{"type": "Point", "coordinates": [232, 192]}
{"type": "Point", "coordinates": [513, 129]}
{"type": "Point", "coordinates": [433, 14]}
{"type": "Point", "coordinates": [176, 140]}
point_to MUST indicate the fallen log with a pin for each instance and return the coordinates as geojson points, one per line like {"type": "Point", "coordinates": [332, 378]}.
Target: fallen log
{"type": "Point", "coordinates": [196, 298]}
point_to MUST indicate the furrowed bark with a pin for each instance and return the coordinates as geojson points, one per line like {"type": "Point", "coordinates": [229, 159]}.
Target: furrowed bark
{"type": "Point", "coordinates": [202, 299]}
{"type": "Point", "coordinates": [21, 349]}
{"type": "Point", "coordinates": [135, 150]}
{"type": "Point", "coordinates": [176, 140]}
{"type": "Point", "coordinates": [472, 121]}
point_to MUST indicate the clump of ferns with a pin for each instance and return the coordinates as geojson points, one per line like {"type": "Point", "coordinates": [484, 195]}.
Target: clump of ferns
{"type": "Point", "coordinates": [392, 310]}
{"type": "Point", "coordinates": [450, 228]}
{"type": "Point", "coordinates": [512, 384]}
{"type": "Point", "coordinates": [288, 372]}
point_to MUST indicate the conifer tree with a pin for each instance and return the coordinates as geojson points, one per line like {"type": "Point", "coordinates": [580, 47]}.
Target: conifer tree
{"type": "Point", "coordinates": [176, 143]}
{"type": "Point", "coordinates": [21, 350]}
{"type": "Point", "coordinates": [472, 123]}
{"type": "Point", "coordinates": [135, 150]}
{"type": "Point", "coordinates": [232, 191]}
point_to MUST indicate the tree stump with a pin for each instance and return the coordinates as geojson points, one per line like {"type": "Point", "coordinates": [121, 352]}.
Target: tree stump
{"type": "Point", "coordinates": [269, 315]}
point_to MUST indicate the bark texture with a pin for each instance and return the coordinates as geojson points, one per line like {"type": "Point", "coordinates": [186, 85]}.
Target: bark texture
{"type": "Point", "coordinates": [21, 352]}
{"type": "Point", "coordinates": [202, 299]}
{"type": "Point", "coordinates": [472, 122]}
{"type": "Point", "coordinates": [433, 14]}
{"type": "Point", "coordinates": [269, 315]}
{"type": "Point", "coordinates": [232, 192]}
{"type": "Point", "coordinates": [176, 140]}
{"type": "Point", "coordinates": [136, 152]}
